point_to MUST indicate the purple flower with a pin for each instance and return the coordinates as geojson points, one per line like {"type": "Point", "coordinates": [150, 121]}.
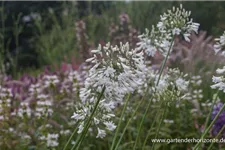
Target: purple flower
{"type": "Point", "coordinates": [220, 122]}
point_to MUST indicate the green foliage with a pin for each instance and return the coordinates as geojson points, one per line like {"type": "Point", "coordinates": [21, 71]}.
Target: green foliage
{"type": "Point", "coordinates": [54, 44]}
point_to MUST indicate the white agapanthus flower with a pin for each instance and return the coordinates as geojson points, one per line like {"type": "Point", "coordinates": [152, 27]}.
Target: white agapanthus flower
{"type": "Point", "coordinates": [173, 82]}
{"type": "Point", "coordinates": [146, 44]}
{"type": "Point", "coordinates": [219, 80]}
{"type": "Point", "coordinates": [77, 116]}
{"type": "Point", "coordinates": [101, 133]}
{"type": "Point", "coordinates": [181, 84]}
{"type": "Point", "coordinates": [110, 125]}
{"type": "Point", "coordinates": [163, 84]}
{"type": "Point", "coordinates": [174, 22]}
{"type": "Point", "coordinates": [220, 71]}
{"type": "Point", "coordinates": [80, 127]}
{"type": "Point", "coordinates": [120, 70]}
{"type": "Point", "coordinates": [219, 45]}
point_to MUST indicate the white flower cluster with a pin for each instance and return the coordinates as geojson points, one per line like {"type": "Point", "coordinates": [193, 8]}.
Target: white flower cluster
{"type": "Point", "coordinates": [50, 80]}
{"type": "Point", "coordinates": [43, 106]}
{"type": "Point", "coordinates": [196, 93]}
{"type": "Point", "coordinates": [163, 83]}
{"type": "Point", "coordinates": [5, 102]}
{"type": "Point", "coordinates": [51, 140]}
{"type": "Point", "coordinates": [181, 84]}
{"type": "Point", "coordinates": [24, 110]}
{"type": "Point", "coordinates": [196, 81]}
{"type": "Point", "coordinates": [208, 103]}
{"type": "Point", "coordinates": [167, 121]}
{"type": "Point", "coordinates": [120, 70]}
{"type": "Point", "coordinates": [35, 89]}
{"type": "Point", "coordinates": [220, 43]}
{"type": "Point", "coordinates": [76, 78]}
{"type": "Point", "coordinates": [73, 80]}
{"type": "Point", "coordinates": [149, 76]}
{"type": "Point", "coordinates": [65, 132]}
{"type": "Point", "coordinates": [174, 79]}
{"type": "Point", "coordinates": [70, 81]}
{"type": "Point", "coordinates": [219, 80]}
{"type": "Point", "coordinates": [172, 87]}
{"type": "Point", "coordinates": [174, 22]}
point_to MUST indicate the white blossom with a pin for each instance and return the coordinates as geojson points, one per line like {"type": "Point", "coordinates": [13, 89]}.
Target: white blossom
{"type": "Point", "coordinates": [24, 110]}
{"type": "Point", "coordinates": [168, 121]}
{"type": "Point", "coordinates": [43, 106]}
{"type": "Point", "coordinates": [110, 125]}
{"type": "Point", "coordinates": [51, 140]}
{"type": "Point", "coordinates": [219, 45]}
{"type": "Point", "coordinates": [219, 80]}
{"type": "Point", "coordinates": [101, 133]}
{"type": "Point", "coordinates": [174, 22]}
{"type": "Point", "coordinates": [50, 80]}
{"type": "Point", "coordinates": [182, 84]}
{"type": "Point", "coordinates": [120, 70]}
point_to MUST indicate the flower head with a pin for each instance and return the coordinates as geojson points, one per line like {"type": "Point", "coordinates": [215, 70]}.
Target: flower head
{"type": "Point", "coordinates": [119, 69]}
{"type": "Point", "coordinates": [219, 80]}
{"type": "Point", "coordinates": [174, 22]}
{"type": "Point", "coordinates": [219, 45]}
{"type": "Point", "coordinates": [101, 133]}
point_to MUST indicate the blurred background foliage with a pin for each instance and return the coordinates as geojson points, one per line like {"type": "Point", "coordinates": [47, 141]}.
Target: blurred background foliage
{"type": "Point", "coordinates": [35, 34]}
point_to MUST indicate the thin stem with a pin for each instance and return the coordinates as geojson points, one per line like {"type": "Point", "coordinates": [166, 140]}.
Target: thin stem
{"type": "Point", "coordinates": [157, 83]}
{"type": "Point", "coordinates": [67, 143]}
{"type": "Point", "coordinates": [221, 130]}
{"type": "Point", "coordinates": [160, 123]}
{"type": "Point", "coordinates": [209, 115]}
{"type": "Point", "coordinates": [124, 130]}
{"type": "Point", "coordinates": [207, 130]}
{"type": "Point", "coordinates": [120, 121]}
{"type": "Point", "coordinates": [142, 121]}
{"type": "Point", "coordinates": [165, 60]}
{"type": "Point", "coordinates": [80, 139]}
{"type": "Point", "coordinates": [148, 134]}
{"type": "Point", "coordinates": [87, 125]}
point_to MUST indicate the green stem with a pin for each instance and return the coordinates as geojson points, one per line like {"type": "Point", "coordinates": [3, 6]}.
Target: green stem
{"type": "Point", "coordinates": [80, 138]}
{"type": "Point", "coordinates": [160, 123]}
{"type": "Point", "coordinates": [148, 134]}
{"type": "Point", "coordinates": [157, 83]}
{"type": "Point", "coordinates": [142, 121]}
{"type": "Point", "coordinates": [120, 121]}
{"type": "Point", "coordinates": [124, 130]}
{"type": "Point", "coordinates": [165, 60]}
{"type": "Point", "coordinates": [221, 130]}
{"type": "Point", "coordinates": [67, 143]}
{"type": "Point", "coordinates": [86, 127]}
{"type": "Point", "coordinates": [211, 109]}
{"type": "Point", "coordinates": [207, 130]}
